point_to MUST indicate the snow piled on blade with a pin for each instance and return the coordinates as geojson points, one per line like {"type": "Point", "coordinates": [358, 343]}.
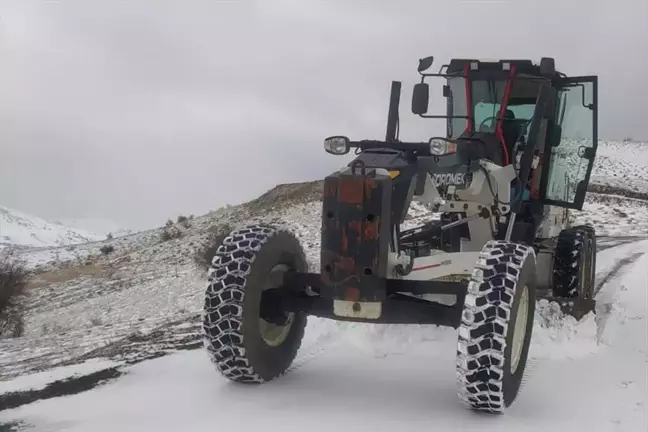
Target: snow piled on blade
{"type": "Point", "coordinates": [560, 336]}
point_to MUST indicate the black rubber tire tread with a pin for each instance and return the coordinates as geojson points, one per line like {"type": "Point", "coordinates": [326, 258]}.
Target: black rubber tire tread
{"type": "Point", "coordinates": [592, 251]}
{"type": "Point", "coordinates": [484, 380]}
{"type": "Point", "coordinates": [230, 329]}
{"type": "Point", "coordinates": [575, 251]}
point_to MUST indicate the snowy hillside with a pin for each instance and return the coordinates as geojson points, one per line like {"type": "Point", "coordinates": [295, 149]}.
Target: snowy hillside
{"type": "Point", "coordinates": [99, 226]}
{"type": "Point", "coordinates": [96, 318]}
{"type": "Point", "coordinates": [622, 164]}
{"type": "Point", "coordinates": [21, 229]}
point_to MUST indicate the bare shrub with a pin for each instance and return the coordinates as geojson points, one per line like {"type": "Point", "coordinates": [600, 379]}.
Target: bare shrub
{"type": "Point", "coordinates": [165, 235]}
{"type": "Point", "coordinates": [171, 231]}
{"type": "Point", "coordinates": [106, 249]}
{"type": "Point", "coordinates": [207, 248]}
{"type": "Point", "coordinates": [184, 221]}
{"type": "Point", "coordinates": [13, 280]}
{"type": "Point", "coordinates": [96, 321]}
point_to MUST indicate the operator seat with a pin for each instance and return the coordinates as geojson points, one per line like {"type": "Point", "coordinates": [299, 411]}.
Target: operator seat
{"type": "Point", "coordinates": [511, 131]}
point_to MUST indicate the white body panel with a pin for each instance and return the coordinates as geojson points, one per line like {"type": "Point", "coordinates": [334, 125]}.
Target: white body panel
{"type": "Point", "coordinates": [441, 264]}
{"type": "Point", "coordinates": [556, 219]}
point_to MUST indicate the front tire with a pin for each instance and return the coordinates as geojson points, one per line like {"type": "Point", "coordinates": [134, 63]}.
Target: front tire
{"type": "Point", "coordinates": [246, 334]}
{"type": "Point", "coordinates": [496, 327]}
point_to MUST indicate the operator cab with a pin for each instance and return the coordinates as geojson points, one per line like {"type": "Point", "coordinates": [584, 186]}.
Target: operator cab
{"type": "Point", "coordinates": [492, 101]}
{"type": "Point", "coordinates": [508, 108]}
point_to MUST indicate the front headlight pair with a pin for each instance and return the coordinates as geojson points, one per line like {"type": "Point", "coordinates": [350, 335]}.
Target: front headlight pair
{"type": "Point", "coordinates": [339, 145]}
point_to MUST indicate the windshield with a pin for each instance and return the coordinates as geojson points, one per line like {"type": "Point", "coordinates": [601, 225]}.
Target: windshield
{"type": "Point", "coordinates": [487, 113]}
{"type": "Point", "coordinates": [486, 101]}
{"type": "Point", "coordinates": [487, 98]}
{"type": "Point", "coordinates": [457, 107]}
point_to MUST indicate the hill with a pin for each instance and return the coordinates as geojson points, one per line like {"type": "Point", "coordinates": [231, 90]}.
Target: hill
{"type": "Point", "coordinates": [21, 229]}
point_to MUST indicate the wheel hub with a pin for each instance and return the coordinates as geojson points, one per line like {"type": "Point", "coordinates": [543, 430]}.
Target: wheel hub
{"type": "Point", "coordinates": [274, 323]}
{"type": "Point", "coordinates": [519, 329]}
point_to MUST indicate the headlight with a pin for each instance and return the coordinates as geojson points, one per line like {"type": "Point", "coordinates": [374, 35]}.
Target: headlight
{"type": "Point", "coordinates": [337, 145]}
{"type": "Point", "coordinates": [439, 147]}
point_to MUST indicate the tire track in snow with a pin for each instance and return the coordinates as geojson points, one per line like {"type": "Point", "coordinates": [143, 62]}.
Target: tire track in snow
{"type": "Point", "coordinates": [611, 274]}
{"type": "Point", "coordinates": [313, 351]}
{"type": "Point", "coordinates": [531, 366]}
{"type": "Point", "coordinates": [137, 348]}
{"type": "Point", "coordinates": [609, 242]}
{"type": "Point", "coordinates": [607, 302]}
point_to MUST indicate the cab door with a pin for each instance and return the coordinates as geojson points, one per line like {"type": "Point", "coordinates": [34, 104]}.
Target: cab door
{"type": "Point", "coordinates": [572, 159]}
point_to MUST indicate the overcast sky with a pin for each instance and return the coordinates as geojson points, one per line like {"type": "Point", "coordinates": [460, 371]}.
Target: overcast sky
{"type": "Point", "coordinates": [142, 110]}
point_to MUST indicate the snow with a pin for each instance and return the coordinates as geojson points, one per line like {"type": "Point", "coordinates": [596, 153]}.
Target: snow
{"type": "Point", "coordinates": [21, 229]}
{"type": "Point", "coordinates": [630, 216]}
{"type": "Point", "coordinates": [623, 164]}
{"type": "Point", "coordinates": [364, 377]}
{"type": "Point", "coordinates": [40, 380]}
{"type": "Point", "coordinates": [99, 226]}
{"type": "Point", "coordinates": [145, 298]}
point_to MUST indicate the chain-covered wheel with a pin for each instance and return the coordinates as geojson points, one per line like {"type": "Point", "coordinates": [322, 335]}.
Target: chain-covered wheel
{"type": "Point", "coordinates": [496, 326]}
{"type": "Point", "coordinates": [575, 263]}
{"type": "Point", "coordinates": [245, 331]}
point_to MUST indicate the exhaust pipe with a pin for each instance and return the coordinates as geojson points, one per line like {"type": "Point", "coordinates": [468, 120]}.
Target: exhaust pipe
{"type": "Point", "coordinates": [392, 115]}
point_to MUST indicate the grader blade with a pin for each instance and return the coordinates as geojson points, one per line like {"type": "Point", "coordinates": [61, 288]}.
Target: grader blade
{"type": "Point", "coordinates": [576, 307]}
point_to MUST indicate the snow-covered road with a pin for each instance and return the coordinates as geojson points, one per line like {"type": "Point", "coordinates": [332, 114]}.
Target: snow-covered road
{"type": "Point", "coordinates": [587, 376]}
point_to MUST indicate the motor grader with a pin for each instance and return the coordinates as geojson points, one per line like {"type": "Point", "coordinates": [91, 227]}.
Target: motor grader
{"type": "Point", "coordinates": [517, 155]}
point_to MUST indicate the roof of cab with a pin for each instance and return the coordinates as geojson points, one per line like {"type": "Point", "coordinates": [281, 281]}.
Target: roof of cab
{"type": "Point", "coordinates": [526, 67]}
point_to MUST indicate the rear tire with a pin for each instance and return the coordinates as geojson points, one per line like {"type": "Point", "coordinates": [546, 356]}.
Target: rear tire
{"type": "Point", "coordinates": [496, 326]}
{"type": "Point", "coordinates": [575, 263]}
{"type": "Point", "coordinates": [244, 346]}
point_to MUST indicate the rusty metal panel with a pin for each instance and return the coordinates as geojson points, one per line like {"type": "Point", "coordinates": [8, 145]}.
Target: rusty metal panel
{"type": "Point", "coordinates": [355, 236]}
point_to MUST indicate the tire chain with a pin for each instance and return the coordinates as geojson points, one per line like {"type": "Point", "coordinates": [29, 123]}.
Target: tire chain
{"type": "Point", "coordinates": [569, 249]}
{"type": "Point", "coordinates": [484, 325]}
{"type": "Point", "coordinates": [223, 310]}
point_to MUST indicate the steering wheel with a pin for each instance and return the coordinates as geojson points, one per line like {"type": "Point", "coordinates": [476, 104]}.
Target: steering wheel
{"type": "Point", "coordinates": [481, 125]}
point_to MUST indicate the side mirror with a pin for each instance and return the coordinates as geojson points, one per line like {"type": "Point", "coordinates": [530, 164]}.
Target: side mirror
{"type": "Point", "coordinates": [446, 91]}
{"type": "Point", "coordinates": [586, 152]}
{"type": "Point", "coordinates": [425, 63]}
{"type": "Point", "coordinates": [420, 98]}
{"type": "Point", "coordinates": [547, 66]}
